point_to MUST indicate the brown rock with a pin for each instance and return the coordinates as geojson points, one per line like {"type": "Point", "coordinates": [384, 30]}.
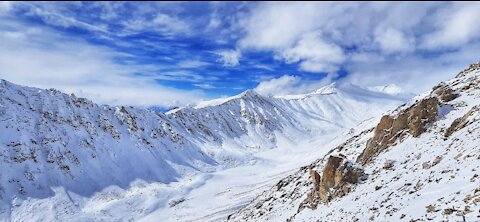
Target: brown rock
{"type": "Point", "coordinates": [337, 177]}
{"type": "Point", "coordinates": [472, 67]}
{"type": "Point", "coordinates": [315, 177]}
{"type": "Point", "coordinates": [461, 122]}
{"type": "Point", "coordinates": [328, 177]}
{"type": "Point", "coordinates": [323, 194]}
{"type": "Point", "coordinates": [425, 112]}
{"type": "Point", "coordinates": [426, 165]}
{"type": "Point", "coordinates": [390, 128]}
{"type": "Point", "coordinates": [430, 208]}
{"type": "Point", "coordinates": [448, 211]}
{"type": "Point", "coordinates": [445, 93]}
{"type": "Point", "coordinates": [388, 164]}
{"type": "Point", "coordinates": [437, 160]}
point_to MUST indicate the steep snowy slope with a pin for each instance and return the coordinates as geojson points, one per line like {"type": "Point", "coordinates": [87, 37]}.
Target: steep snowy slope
{"type": "Point", "coordinates": [68, 157]}
{"type": "Point", "coordinates": [51, 139]}
{"type": "Point", "coordinates": [418, 163]}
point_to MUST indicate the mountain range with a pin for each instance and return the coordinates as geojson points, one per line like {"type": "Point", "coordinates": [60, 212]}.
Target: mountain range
{"type": "Point", "coordinates": [243, 157]}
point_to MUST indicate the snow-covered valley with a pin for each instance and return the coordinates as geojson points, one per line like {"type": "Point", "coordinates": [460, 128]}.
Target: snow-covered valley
{"type": "Point", "coordinates": [66, 158]}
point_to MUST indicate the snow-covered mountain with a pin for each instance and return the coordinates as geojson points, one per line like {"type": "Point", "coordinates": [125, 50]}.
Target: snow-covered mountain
{"type": "Point", "coordinates": [59, 153]}
{"type": "Point", "coordinates": [252, 122]}
{"type": "Point", "coordinates": [419, 162]}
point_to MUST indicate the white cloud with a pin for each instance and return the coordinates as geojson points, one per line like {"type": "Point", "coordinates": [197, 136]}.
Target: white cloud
{"type": "Point", "coordinates": [394, 41]}
{"type": "Point", "coordinates": [205, 85]}
{"type": "Point", "coordinates": [55, 17]}
{"type": "Point", "coordinates": [413, 73]}
{"type": "Point", "coordinates": [170, 24]}
{"type": "Point", "coordinates": [264, 67]}
{"type": "Point", "coordinates": [229, 57]}
{"type": "Point", "coordinates": [192, 64]}
{"type": "Point", "coordinates": [287, 85]}
{"type": "Point", "coordinates": [277, 25]}
{"type": "Point", "coordinates": [377, 43]}
{"type": "Point", "coordinates": [387, 28]}
{"type": "Point", "coordinates": [5, 6]}
{"type": "Point", "coordinates": [165, 24]}
{"type": "Point", "coordinates": [314, 54]}
{"type": "Point", "coordinates": [45, 59]}
{"type": "Point", "coordinates": [456, 25]}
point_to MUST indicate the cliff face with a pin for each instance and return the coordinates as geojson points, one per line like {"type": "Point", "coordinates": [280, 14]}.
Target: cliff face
{"type": "Point", "coordinates": [419, 162]}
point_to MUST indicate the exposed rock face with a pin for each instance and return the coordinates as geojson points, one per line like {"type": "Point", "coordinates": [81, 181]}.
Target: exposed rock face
{"type": "Point", "coordinates": [337, 176]}
{"type": "Point", "coordinates": [421, 114]}
{"type": "Point", "coordinates": [315, 179]}
{"type": "Point", "coordinates": [328, 178]}
{"type": "Point", "coordinates": [462, 121]}
{"type": "Point", "coordinates": [445, 93]}
{"type": "Point", "coordinates": [390, 128]}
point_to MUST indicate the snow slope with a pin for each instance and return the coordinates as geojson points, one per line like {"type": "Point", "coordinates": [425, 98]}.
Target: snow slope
{"type": "Point", "coordinates": [66, 158]}
{"type": "Point", "coordinates": [432, 176]}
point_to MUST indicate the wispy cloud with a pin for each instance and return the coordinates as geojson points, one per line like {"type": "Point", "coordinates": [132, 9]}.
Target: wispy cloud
{"type": "Point", "coordinates": [44, 58]}
{"type": "Point", "coordinates": [162, 23]}
{"type": "Point", "coordinates": [288, 84]}
{"type": "Point", "coordinates": [192, 64]}
{"type": "Point", "coordinates": [229, 57]}
{"type": "Point", "coordinates": [456, 26]}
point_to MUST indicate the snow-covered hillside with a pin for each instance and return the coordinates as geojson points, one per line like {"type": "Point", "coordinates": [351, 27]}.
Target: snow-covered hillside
{"type": "Point", "coordinates": [420, 162]}
{"type": "Point", "coordinates": [66, 158]}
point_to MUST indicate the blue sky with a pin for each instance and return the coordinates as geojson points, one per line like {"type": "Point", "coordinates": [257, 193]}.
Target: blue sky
{"type": "Point", "coordinates": [170, 54]}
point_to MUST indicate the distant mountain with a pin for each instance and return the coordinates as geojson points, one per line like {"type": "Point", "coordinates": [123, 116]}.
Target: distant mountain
{"type": "Point", "coordinates": [55, 147]}
{"type": "Point", "coordinates": [419, 162]}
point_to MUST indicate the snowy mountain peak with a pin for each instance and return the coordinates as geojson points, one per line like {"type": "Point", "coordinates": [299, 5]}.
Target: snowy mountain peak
{"type": "Point", "coordinates": [249, 93]}
{"type": "Point", "coordinates": [328, 89]}
{"type": "Point", "coordinates": [390, 89]}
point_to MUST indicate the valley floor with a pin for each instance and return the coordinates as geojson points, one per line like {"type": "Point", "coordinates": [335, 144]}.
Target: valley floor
{"type": "Point", "coordinates": [226, 191]}
{"type": "Point", "coordinates": [200, 197]}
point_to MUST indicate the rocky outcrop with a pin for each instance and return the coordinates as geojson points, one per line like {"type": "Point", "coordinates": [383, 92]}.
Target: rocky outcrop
{"type": "Point", "coordinates": [390, 128]}
{"type": "Point", "coordinates": [338, 175]}
{"type": "Point", "coordinates": [471, 68]}
{"type": "Point", "coordinates": [328, 178]}
{"type": "Point", "coordinates": [445, 93]}
{"type": "Point", "coordinates": [462, 121]}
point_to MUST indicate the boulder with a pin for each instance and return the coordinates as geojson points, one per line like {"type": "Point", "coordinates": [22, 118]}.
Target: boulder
{"type": "Point", "coordinates": [328, 178]}
{"type": "Point", "coordinates": [338, 176]}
